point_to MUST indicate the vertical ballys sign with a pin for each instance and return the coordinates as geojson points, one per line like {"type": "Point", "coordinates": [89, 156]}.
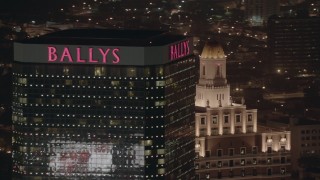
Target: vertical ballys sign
{"type": "Point", "coordinates": [179, 50]}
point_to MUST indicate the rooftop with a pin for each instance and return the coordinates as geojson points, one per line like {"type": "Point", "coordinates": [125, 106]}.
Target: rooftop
{"type": "Point", "coordinates": [107, 37]}
{"type": "Point", "coordinates": [212, 50]}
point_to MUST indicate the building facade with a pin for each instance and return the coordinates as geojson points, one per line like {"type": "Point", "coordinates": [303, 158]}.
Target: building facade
{"type": "Point", "coordinates": [306, 135]}
{"type": "Point", "coordinates": [104, 104]}
{"type": "Point", "coordinates": [229, 142]}
{"type": "Point", "coordinates": [258, 11]}
{"type": "Point", "coordinates": [293, 45]}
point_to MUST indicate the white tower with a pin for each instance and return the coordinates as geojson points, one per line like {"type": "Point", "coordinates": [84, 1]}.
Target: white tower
{"type": "Point", "coordinates": [212, 88]}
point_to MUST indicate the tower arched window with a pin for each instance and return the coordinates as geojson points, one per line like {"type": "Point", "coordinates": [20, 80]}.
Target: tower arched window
{"type": "Point", "coordinates": [204, 70]}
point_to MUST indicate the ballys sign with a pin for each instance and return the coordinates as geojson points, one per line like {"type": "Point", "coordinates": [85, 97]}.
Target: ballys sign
{"type": "Point", "coordinates": [75, 55]}
{"type": "Point", "coordinates": [179, 50]}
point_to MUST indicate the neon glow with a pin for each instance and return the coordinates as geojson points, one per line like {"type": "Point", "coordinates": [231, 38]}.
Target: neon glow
{"type": "Point", "coordinates": [179, 50]}
{"type": "Point", "coordinates": [66, 55]}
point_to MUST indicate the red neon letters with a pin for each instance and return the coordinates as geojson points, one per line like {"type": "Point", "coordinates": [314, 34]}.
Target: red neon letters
{"type": "Point", "coordinates": [179, 50]}
{"type": "Point", "coordinates": [66, 55]}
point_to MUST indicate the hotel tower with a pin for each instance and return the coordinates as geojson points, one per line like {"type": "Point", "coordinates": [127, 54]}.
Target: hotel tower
{"type": "Point", "coordinates": [104, 104]}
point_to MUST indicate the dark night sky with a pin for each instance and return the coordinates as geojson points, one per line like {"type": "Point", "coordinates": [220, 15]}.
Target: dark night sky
{"type": "Point", "coordinates": [13, 9]}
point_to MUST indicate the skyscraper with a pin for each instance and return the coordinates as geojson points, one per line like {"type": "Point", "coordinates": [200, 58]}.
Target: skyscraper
{"type": "Point", "coordinates": [108, 104]}
{"type": "Point", "coordinates": [294, 44]}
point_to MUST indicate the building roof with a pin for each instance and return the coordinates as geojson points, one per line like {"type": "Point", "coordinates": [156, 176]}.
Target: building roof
{"type": "Point", "coordinates": [107, 37]}
{"type": "Point", "coordinates": [212, 50]}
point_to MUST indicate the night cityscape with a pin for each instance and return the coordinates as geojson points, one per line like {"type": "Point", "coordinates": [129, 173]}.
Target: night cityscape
{"type": "Point", "coordinates": [160, 89]}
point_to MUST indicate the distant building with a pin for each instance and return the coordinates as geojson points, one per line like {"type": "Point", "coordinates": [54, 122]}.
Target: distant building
{"type": "Point", "coordinates": [229, 142]}
{"type": "Point", "coordinates": [258, 11]}
{"type": "Point", "coordinates": [294, 45]}
{"type": "Point", "coordinates": [104, 104]}
{"type": "Point", "coordinates": [306, 136]}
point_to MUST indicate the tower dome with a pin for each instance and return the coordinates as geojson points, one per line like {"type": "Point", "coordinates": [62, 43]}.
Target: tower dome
{"type": "Point", "coordinates": [212, 50]}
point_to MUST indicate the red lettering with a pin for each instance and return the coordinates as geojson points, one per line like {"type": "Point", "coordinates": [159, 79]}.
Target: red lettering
{"type": "Point", "coordinates": [52, 56]}
{"type": "Point", "coordinates": [186, 47]}
{"type": "Point", "coordinates": [91, 56]}
{"type": "Point", "coordinates": [66, 53]}
{"type": "Point", "coordinates": [116, 56]}
{"type": "Point", "coordinates": [175, 55]}
{"type": "Point", "coordinates": [171, 53]}
{"type": "Point", "coordinates": [79, 56]}
{"type": "Point", "coordinates": [104, 55]}
{"type": "Point", "coordinates": [179, 50]}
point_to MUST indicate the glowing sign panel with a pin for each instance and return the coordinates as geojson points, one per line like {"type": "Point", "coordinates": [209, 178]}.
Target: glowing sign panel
{"type": "Point", "coordinates": [73, 55]}
{"type": "Point", "coordinates": [179, 50]}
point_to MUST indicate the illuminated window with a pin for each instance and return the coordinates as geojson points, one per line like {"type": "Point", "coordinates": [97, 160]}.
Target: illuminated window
{"type": "Point", "coordinates": [169, 81]}
{"type": "Point", "coordinates": [160, 151]}
{"type": "Point", "coordinates": [219, 164]}
{"type": "Point", "coordinates": [207, 176]}
{"type": "Point", "coordinates": [243, 151]}
{"type": "Point", "coordinates": [148, 142]}
{"type": "Point", "coordinates": [207, 165]}
{"type": "Point", "coordinates": [161, 161]}
{"type": "Point", "coordinates": [160, 83]}
{"type": "Point", "coordinates": [22, 80]}
{"type": "Point", "coordinates": [214, 120]}
{"type": "Point", "coordinates": [131, 72]}
{"type": "Point", "coordinates": [99, 71]}
{"type": "Point", "coordinates": [242, 162]}
{"type": "Point", "coordinates": [238, 118]}
{"type": "Point", "coordinates": [159, 71]}
{"type": "Point", "coordinates": [131, 93]}
{"type": "Point", "coordinates": [131, 84]}
{"type": "Point", "coordinates": [147, 72]}
{"type": "Point", "coordinates": [160, 103]}
{"type": "Point", "coordinates": [114, 122]}
{"type": "Point", "coordinates": [254, 161]}
{"type": "Point", "coordinates": [161, 171]}
{"type": "Point", "coordinates": [23, 100]}
{"type": "Point", "coordinates": [115, 83]}
{"type": "Point", "coordinates": [203, 121]}
{"type": "Point", "coordinates": [249, 117]}
{"type": "Point", "coordinates": [214, 131]}
{"type": "Point", "coordinates": [37, 120]}
{"type": "Point", "coordinates": [68, 82]}
{"type": "Point", "coordinates": [65, 70]}
{"type": "Point", "coordinates": [147, 152]}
